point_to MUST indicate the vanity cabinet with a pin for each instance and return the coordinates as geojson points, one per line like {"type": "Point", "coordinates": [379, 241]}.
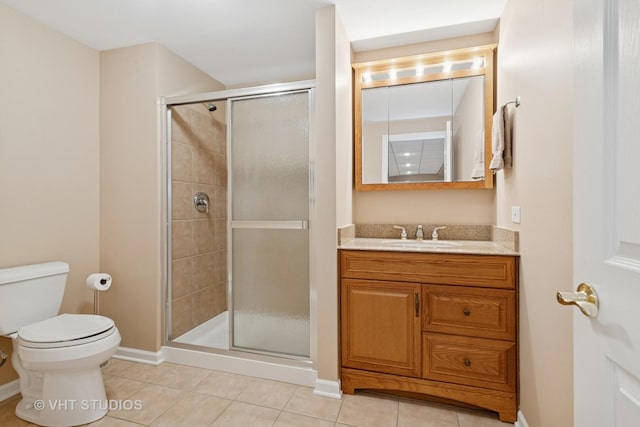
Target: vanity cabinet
{"type": "Point", "coordinates": [437, 324]}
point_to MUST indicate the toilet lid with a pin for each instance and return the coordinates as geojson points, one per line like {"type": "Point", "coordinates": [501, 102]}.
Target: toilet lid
{"type": "Point", "coordinates": [65, 328]}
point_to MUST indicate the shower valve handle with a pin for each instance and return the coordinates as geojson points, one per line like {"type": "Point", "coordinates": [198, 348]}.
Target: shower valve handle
{"type": "Point", "coordinates": [201, 202]}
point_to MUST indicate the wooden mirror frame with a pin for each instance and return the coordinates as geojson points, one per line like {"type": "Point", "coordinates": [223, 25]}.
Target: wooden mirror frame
{"type": "Point", "coordinates": [487, 52]}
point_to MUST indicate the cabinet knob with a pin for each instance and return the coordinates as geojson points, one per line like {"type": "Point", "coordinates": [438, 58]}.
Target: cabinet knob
{"type": "Point", "coordinates": [467, 362]}
{"type": "Point", "coordinates": [466, 312]}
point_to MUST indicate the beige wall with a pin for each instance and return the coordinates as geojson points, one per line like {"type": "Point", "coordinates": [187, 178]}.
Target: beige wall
{"type": "Point", "coordinates": [443, 206]}
{"type": "Point", "coordinates": [131, 183]}
{"type": "Point", "coordinates": [537, 65]}
{"type": "Point", "coordinates": [48, 156]}
{"type": "Point", "coordinates": [332, 141]}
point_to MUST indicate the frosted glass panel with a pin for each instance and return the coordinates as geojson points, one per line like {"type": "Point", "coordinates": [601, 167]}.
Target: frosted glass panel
{"type": "Point", "coordinates": [270, 155]}
{"type": "Point", "coordinates": [270, 192]}
{"type": "Point", "coordinates": [271, 290]}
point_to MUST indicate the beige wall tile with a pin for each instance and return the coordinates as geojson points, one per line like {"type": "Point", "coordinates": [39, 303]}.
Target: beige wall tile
{"type": "Point", "coordinates": [220, 137]}
{"type": "Point", "coordinates": [181, 239]}
{"type": "Point", "coordinates": [220, 297]}
{"type": "Point", "coordinates": [181, 277]}
{"type": "Point", "coordinates": [181, 309]}
{"type": "Point", "coordinates": [203, 166]}
{"type": "Point", "coordinates": [202, 127]}
{"type": "Point", "coordinates": [203, 303]}
{"type": "Point", "coordinates": [203, 271]}
{"type": "Point", "coordinates": [219, 202]}
{"type": "Point", "coordinates": [181, 201]}
{"type": "Point", "coordinates": [180, 125]}
{"type": "Point", "coordinates": [202, 236]}
{"type": "Point", "coordinates": [220, 265]}
{"type": "Point", "coordinates": [220, 230]}
{"type": "Point", "coordinates": [220, 170]}
{"type": "Point", "coordinates": [181, 162]}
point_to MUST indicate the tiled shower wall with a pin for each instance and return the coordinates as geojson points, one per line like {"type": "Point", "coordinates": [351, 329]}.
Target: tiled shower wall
{"type": "Point", "coordinates": [199, 240]}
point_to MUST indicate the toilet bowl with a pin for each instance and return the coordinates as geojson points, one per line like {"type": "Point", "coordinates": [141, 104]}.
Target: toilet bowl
{"type": "Point", "coordinates": [57, 357]}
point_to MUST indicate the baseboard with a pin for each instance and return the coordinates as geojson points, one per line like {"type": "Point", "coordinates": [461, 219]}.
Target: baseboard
{"type": "Point", "coordinates": [294, 373]}
{"type": "Point", "coordinates": [521, 422]}
{"type": "Point", "coordinates": [328, 388]}
{"type": "Point", "coordinates": [140, 356]}
{"type": "Point", "coordinates": [9, 389]}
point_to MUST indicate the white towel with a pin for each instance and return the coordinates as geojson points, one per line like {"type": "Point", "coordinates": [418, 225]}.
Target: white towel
{"type": "Point", "coordinates": [508, 134]}
{"type": "Point", "coordinates": [478, 159]}
{"type": "Point", "coordinates": [501, 139]}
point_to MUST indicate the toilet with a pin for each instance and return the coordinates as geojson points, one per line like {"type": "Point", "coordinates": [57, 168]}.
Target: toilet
{"type": "Point", "coordinates": [57, 357]}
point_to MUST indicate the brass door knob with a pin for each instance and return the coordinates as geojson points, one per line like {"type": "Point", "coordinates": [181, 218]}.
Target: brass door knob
{"type": "Point", "coordinates": [585, 298]}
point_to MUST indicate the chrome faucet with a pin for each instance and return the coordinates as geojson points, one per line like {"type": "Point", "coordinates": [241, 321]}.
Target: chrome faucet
{"type": "Point", "coordinates": [434, 235]}
{"type": "Point", "coordinates": [403, 235]}
{"type": "Point", "coordinates": [419, 232]}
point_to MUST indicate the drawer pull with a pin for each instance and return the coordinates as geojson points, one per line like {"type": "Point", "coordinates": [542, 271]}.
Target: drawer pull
{"type": "Point", "coordinates": [416, 297]}
{"type": "Point", "coordinates": [467, 362]}
{"type": "Point", "coordinates": [466, 312]}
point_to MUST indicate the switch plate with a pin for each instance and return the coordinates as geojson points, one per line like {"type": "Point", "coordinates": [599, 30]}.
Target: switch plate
{"type": "Point", "coordinates": [515, 214]}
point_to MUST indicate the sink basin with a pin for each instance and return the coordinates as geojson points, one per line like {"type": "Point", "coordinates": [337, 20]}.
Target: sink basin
{"type": "Point", "coordinates": [427, 244]}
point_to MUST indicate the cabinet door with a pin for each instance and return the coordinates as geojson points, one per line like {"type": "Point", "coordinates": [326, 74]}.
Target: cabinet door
{"type": "Point", "coordinates": [380, 326]}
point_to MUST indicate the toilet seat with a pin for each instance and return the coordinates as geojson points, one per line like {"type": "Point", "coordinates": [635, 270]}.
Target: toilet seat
{"type": "Point", "coordinates": [66, 330]}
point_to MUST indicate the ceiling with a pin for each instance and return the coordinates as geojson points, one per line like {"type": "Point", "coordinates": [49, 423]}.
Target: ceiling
{"type": "Point", "coordinates": [241, 42]}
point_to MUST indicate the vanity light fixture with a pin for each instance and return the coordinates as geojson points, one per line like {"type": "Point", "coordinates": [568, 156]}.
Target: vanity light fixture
{"type": "Point", "coordinates": [419, 70]}
{"type": "Point", "coordinates": [446, 67]}
{"type": "Point", "coordinates": [366, 77]}
{"type": "Point", "coordinates": [393, 74]}
{"type": "Point", "coordinates": [477, 63]}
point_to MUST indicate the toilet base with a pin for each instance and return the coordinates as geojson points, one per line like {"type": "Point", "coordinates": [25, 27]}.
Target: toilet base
{"type": "Point", "coordinates": [63, 387]}
{"type": "Point", "coordinates": [79, 398]}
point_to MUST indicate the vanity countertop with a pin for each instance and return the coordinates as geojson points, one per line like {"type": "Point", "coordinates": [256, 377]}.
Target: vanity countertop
{"type": "Point", "coordinates": [477, 247]}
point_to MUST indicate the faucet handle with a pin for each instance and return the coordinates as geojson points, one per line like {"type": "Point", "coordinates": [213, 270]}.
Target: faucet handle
{"type": "Point", "coordinates": [403, 235]}
{"type": "Point", "coordinates": [419, 232]}
{"type": "Point", "coordinates": [434, 235]}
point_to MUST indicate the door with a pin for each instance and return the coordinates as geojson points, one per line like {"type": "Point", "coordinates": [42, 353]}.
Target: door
{"type": "Point", "coordinates": [607, 211]}
{"type": "Point", "coordinates": [269, 211]}
{"type": "Point", "coordinates": [380, 324]}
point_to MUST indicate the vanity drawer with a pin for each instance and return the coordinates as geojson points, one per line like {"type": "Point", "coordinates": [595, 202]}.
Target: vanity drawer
{"type": "Point", "coordinates": [478, 312]}
{"type": "Point", "coordinates": [493, 271]}
{"type": "Point", "coordinates": [471, 361]}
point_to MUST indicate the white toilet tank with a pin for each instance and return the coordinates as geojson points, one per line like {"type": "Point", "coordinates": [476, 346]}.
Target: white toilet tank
{"type": "Point", "coordinates": [30, 293]}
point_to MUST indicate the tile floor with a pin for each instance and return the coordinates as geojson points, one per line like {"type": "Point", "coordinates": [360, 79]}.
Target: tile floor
{"type": "Point", "coordinates": [176, 395]}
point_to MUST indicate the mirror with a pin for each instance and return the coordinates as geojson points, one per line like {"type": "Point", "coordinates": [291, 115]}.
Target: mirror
{"type": "Point", "coordinates": [425, 121]}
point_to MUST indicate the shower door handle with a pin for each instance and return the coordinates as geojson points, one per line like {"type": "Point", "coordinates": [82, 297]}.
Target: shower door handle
{"type": "Point", "coordinates": [271, 225]}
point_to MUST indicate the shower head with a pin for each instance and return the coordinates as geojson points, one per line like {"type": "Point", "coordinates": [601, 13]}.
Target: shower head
{"type": "Point", "coordinates": [211, 106]}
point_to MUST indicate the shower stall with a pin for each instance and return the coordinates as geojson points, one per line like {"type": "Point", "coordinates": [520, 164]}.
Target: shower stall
{"type": "Point", "coordinates": [239, 205]}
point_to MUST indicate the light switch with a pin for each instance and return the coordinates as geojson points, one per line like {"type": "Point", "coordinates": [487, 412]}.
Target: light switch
{"type": "Point", "coordinates": [515, 214]}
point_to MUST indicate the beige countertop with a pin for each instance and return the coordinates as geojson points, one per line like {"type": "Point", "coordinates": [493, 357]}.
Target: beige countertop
{"type": "Point", "coordinates": [477, 247]}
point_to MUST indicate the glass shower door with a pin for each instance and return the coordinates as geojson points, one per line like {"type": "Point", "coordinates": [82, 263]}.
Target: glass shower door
{"type": "Point", "coordinates": [269, 211]}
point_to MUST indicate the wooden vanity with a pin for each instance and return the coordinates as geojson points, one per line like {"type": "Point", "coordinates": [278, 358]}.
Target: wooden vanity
{"type": "Point", "coordinates": [442, 325]}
